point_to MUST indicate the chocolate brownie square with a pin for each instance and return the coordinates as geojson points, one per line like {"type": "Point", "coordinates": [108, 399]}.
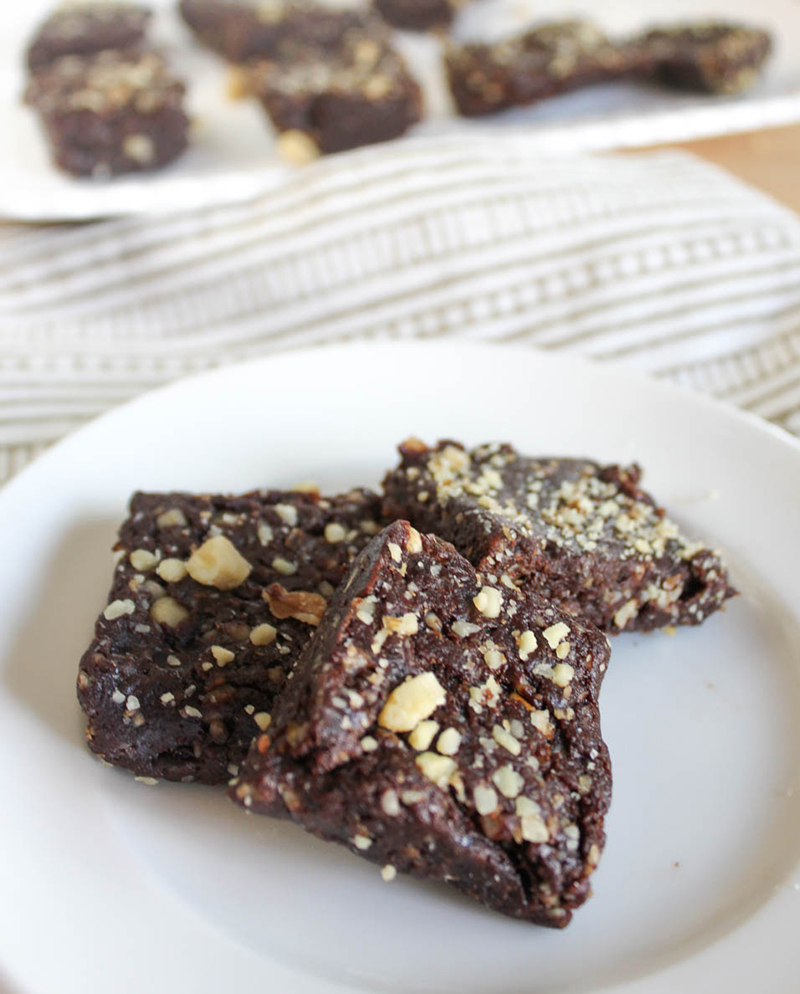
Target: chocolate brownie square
{"type": "Point", "coordinates": [243, 31]}
{"type": "Point", "coordinates": [110, 113]}
{"type": "Point", "coordinates": [712, 57]}
{"type": "Point", "coordinates": [444, 724]}
{"type": "Point", "coordinates": [541, 63]}
{"type": "Point", "coordinates": [88, 28]}
{"type": "Point", "coordinates": [584, 536]}
{"type": "Point", "coordinates": [330, 99]}
{"type": "Point", "coordinates": [212, 600]}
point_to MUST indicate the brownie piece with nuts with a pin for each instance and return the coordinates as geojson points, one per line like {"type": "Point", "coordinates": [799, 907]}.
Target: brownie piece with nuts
{"type": "Point", "coordinates": [212, 600]}
{"type": "Point", "coordinates": [242, 31]}
{"type": "Point", "coordinates": [712, 57]}
{"type": "Point", "coordinates": [585, 536]}
{"type": "Point", "coordinates": [88, 28]}
{"type": "Point", "coordinates": [445, 725]}
{"type": "Point", "coordinates": [417, 15]}
{"type": "Point", "coordinates": [111, 113]}
{"type": "Point", "coordinates": [328, 100]}
{"type": "Point", "coordinates": [543, 62]}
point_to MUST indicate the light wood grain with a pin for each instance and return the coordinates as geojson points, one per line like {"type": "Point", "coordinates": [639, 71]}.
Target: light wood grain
{"type": "Point", "coordinates": [767, 159]}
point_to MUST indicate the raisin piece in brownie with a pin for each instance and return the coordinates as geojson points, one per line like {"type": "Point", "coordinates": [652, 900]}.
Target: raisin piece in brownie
{"type": "Point", "coordinates": [585, 536]}
{"type": "Point", "coordinates": [541, 63]}
{"type": "Point", "coordinates": [328, 100]}
{"type": "Point", "coordinates": [445, 725]}
{"type": "Point", "coordinates": [111, 113]}
{"type": "Point", "coordinates": [242, 31]}
{"type": "Point", "coordinates": [417, 15]}
{"type": "Point", "coordinates": [710, 57]}
{"type": "Point", "coordinates": [213, 598]}
{"type": "Point", "coordinates": [88, 28]}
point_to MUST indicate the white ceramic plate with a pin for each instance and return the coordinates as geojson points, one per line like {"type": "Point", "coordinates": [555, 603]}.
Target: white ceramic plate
{"type": "Point", "coordinates": [233, 154]}
{"type": "Point", "coordinates": [110, 885]}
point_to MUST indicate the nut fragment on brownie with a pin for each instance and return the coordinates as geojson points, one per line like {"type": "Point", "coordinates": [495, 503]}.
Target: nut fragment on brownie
{"type": "Point", "coordinates": [714, 57]}
{"type": "Point", "coordinates": [418, 15]}
{"type": "Point", "coordinates": [323, 101]}
{"type": "Point", "coordinates": [543, 62]}
{"type": "Point", "coordinates": [243, 30]}
{"type": "Point", "coordinates": [212, 600]}
{"type": "Point", "coordinates": [444, 724]}
{"type": "Point", "coordinates": [110, 113]}
{"type": "Point", "coordinates": [585, 536]}
{"type": "Point", "coordinates": [88, 28]}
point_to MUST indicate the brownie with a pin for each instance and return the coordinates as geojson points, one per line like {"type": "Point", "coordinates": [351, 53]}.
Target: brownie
{"type": "Point", "coordinates": [585, 536]}
{"type": "Point", "coordinates": [543, 62]}
{"type": "Point", "coordinates": [444, 724]}
{"type": "Point", "coordinates": [212, 600]}
{"type": "Point", "coordinates": [88, 28]}
{"type": "Point", "coordinates": [242, 31]}
{"type": "Point", "coordinates": [712, 57]}
{"type": "Point", "coordinates": [330, 99]}
{"type": "Point", "coordinates": [110, 113]}
{"type": "Point", "coordinates": [417, 15]}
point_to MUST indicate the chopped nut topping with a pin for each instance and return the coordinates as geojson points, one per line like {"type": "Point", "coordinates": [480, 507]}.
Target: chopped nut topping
{"type": "Point", "coordinates": [388, 873]}
{"type": "Point", "coordinates": [449, 742]}
{"type": "Point", "coordinates": [526, 644]}
{"type": "Point", "coordinates": [297, 147]}
{"type": "Point", "coordinates": [174, 518]}
{"type": "Point", "coordinates": [263, 634]}
{"type": "Point", "coordinates": [366, 609]}
{"type": "Point", "coordinates": [190, 712]}
{"type": "Point", "coordinates": [369, 744]}
{"type": "Point", "coordinates": [262, 719]}
{"type": "Point", "coordinates": [437, 768]}
{"type": "Point", "coordinates": [168, 611]}
{"type": "Point", "coordinates": [172, 570]}
{"type": "Point", "coordinates": [414, 543]}
{"type": "Point", "coordinates": [506, 740]}
{"type": "Point", "coordinates": [283, 566]}
{"type": "Point", "coordinates": [302, 605]}
{"type": "Point", "coordinates": [485, 800]}
{"type": "Point", "coordinates": [411, 702]}
{"type": "Point", "coordinates": [264, 533]}
{"type": "Point", "coordinates": [555, 634]}
{"type": "Point", "coordinates": [287, 513]}
{"type": "Point", "coordinates": [143, 560]}
{"type": "Point", "coordinates": [395, 552]}
{"type": "Point", "coordinates": [422, 736]}
{"type": "Point", "coordinates": [562, 651]}
{"type": "Point", "coordinates": [390, 803]}
{"type": "Point", "coordinates": [334, 533]}
{"type": "Point", "coordinates": [463, 629]}
{"type": "Point", "coordinates": [218, 563]}
{"type": "Point", "coordinates": [628, 610]}
{"type": "Point", "coordinates": [541, 721]}
{"type": "Point", "coordinates": [222, 655]}
{"type": "Point", "coordinates": [534, 829]}
{"type": "Point", "coordinates": [116, 609]}
{"type": "Point", "coordinates": [407, 625]}
{"type": "Point", "coordinates": [562, 674]}
{"type": "Point", "coordinates": [173, 661]}
{"type": "Point", "coordinates": [508, 781]}
{"type": "Point", "coordinates": [362, 842]}
{"type": "Point", "coordinates": [489, 602]}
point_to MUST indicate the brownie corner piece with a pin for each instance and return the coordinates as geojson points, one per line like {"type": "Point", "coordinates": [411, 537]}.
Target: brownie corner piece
{"type": "Point", "coordinates": [713, 56]}
{"type": "Point", "coordinates": [87, 28]}
{"type": "Point", "coordinates": [585, 536]}
{"type": "Point", "coordinates": [444, 725]}
{"type": "Point", "coordinates": [324, 99]}
{"type": "Point", "coordinates": [212, 600]}
{"type": "Point", "coordinates": [110, 113]}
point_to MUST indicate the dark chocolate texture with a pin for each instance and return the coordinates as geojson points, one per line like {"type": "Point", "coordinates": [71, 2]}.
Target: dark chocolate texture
{"type": "Point", "coordinates": [444, 724]}
{"type": "Point", "coordinates": [213, 598]}
{"type": "Point", "coordinates": [584, 536]}
{"type": "Point", "coordinates": [110, 113]}
{"type": "Point", "coordinates": [88, 28]}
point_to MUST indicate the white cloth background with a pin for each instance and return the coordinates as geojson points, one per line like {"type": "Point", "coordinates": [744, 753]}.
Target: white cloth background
{"type": "Point", "coordinates": [661, 262]}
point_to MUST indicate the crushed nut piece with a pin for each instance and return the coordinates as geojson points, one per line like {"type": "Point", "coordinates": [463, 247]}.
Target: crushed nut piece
{"type": "Point", "coordinates": [222, 655]}
{"type": "Point", "coordinates": [218, 563]}
{"type": "Point", "coordinates": [172, 570]}
{"type": "Point", "coordinates": [411, 702]}
{"type": "Point", "coordinates": [168, 611]}
{"type": "Point", "coordinates": [302, 605]}
{"type": "Point", "coordinates": [437, 768]}
{"type": "Point", "coordinates": [263, 634]}
{"type": "Point", "coordinates": [116, 609]}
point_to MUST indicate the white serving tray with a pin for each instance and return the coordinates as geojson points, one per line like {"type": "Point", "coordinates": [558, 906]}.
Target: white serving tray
{"type": "Point", "coordinates": [233, 152]}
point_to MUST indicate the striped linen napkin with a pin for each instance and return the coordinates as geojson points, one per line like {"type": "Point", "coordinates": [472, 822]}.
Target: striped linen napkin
{"type": "Point", "coordinates": [661, 261]}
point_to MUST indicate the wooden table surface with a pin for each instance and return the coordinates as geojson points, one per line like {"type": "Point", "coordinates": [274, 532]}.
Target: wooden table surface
{"type": "Point", "coordinates": [767, 159]}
